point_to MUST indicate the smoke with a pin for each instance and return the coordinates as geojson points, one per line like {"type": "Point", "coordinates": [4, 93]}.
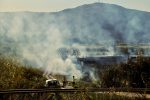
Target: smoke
{"type": "Point", "coordinates": [36, 37]}
{"type": "Point", "coordinates": [36, 41]}
{"type": "Point", "coordinates": [68, 68]}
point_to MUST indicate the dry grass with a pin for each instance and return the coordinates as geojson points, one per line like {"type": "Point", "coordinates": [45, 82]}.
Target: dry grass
{"type": "Point", "coordinates": [14, 75]}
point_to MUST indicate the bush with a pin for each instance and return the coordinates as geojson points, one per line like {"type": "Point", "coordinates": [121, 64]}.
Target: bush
{"type": "Point", "coordinates": [14, 75]}
{"type": "Point", "coordinates": [132, 74]}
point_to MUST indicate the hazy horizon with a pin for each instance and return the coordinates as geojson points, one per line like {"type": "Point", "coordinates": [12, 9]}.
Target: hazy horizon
{"type": "Point", "coordinates": [57, 5]}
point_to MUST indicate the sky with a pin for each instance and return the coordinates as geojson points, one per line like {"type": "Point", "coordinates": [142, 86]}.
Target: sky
{"type": "Point", "coordinates": [58, 5]}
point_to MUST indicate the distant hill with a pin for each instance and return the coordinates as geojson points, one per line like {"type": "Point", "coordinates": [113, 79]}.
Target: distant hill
{"type": "Point", "coordinates": [37, 33]}
{"type": "Point", "coordinates": [99, 22]}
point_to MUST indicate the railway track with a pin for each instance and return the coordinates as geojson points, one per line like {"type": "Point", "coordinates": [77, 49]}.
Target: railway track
{"type": "Point", "coordinates": [56, 90]}
{"type": "Point", "coordinates": [73, 94]}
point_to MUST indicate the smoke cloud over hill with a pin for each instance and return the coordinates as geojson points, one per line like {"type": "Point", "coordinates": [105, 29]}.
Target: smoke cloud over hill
{"type": "Point", "coordinates": [35, 37]}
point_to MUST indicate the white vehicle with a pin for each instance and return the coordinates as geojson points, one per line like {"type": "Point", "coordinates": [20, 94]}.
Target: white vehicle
{"type": "Point", "coordinates": [52, 83]}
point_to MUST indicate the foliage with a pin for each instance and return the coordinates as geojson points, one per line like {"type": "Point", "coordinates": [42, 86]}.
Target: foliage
{"type": "Point", "coordinates": [132, 74]}
{"type": "Point", "coordinates": [15, 75]}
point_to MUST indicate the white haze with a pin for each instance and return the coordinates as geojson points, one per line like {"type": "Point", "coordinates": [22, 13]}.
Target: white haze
{"type": "Point", "coordinates": [37, 41]}
{"type": "Point", "coordinates": [35, 37]}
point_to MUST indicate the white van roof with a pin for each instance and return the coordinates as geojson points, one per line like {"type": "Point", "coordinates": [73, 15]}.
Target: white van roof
{"type": "Point", "coordinates": [51, 80]}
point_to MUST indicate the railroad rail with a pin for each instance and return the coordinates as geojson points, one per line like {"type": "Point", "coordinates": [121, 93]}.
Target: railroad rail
{"type": "Point", "coordinates": [54, 90]}
{"type": "Point", "coordinates": [70, 94]}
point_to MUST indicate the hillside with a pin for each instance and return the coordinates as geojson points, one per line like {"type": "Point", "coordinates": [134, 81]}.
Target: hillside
{"type": "Point", "coordinates": [15, 76]}
{"type": "Point", "coordinates": [34, 37]}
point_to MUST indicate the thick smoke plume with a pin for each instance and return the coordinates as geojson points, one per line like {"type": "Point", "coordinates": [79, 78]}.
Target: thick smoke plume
{"type": "Point", "coordinates": [35, 41]}
{"type": "Point", "coordinates": [36, 37]}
